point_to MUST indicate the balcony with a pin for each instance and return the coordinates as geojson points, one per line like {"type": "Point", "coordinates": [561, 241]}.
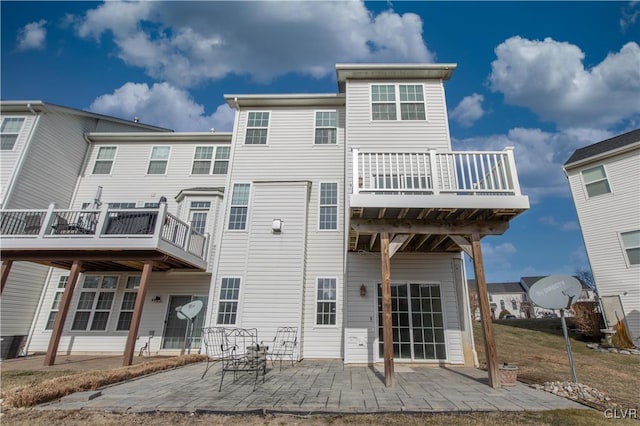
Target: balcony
{"type": "Point", "coordinates": [427, 195]}
{"type": "Point", "coordinates": [104, 239]}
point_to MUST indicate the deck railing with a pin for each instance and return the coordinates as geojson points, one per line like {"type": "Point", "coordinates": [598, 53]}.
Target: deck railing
{"type": "Point", "coordinates": [101, 224]}
{"type": "Point", "coordinates": [433, 172]}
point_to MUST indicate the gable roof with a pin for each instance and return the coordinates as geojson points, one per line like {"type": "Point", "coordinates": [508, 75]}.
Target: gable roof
{"type": "Point", "coordinates": [597, 149]}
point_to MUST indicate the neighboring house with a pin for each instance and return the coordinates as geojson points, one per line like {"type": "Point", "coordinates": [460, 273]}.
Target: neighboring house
{"type": "Point", "coordinates": [319, 191]}
{"type": "Point", "coordinates": [42, 153]}
{"type": "Point", "coordinates": [604, 180]}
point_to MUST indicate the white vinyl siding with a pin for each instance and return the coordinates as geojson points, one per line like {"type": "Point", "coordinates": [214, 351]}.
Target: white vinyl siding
{"type": "Point", "coordinates": [9, 132]}
{"type": "Point", "coordinates": [57, 299]}
{"type": "Point", "coordinates": [104, 160]}
{"type": "Point", "coordinates": [595, 181]}
{"type": "Point", "coordinates": [326, 128]}
{"type": "Point", "coordinates": [328, 215]}
{"type": "Point", "coordinates": [239, 206]}
{"type": "Point", "coordinates": [393, 101]}
{"type": "Point", "coordinates": [159, 160]}
{"type": "Point", "coordinates": [257, 128]}
{"type": "Point", "coordinates": [228, 304]}
{"type": "Point", "coordinates": [326, 301]}
{"type": "Point", "coordinates": [95, 303]}
{"type": "Point", "coordinates": [631, 245]}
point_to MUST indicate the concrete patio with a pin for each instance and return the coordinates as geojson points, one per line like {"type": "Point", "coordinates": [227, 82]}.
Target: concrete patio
{"type": "Point", "coordinates": [314, 386]}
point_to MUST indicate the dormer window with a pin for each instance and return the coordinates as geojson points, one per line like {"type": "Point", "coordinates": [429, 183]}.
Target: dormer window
{"type": "Point", "coordinates": [390, 101]}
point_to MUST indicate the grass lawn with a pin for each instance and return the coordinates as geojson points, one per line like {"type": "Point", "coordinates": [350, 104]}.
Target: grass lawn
{"type": "Point", "coordinates": [537, 347]}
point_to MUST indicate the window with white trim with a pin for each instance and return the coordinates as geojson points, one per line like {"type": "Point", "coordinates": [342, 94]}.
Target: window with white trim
{"type": "Point", "coordinates": [9, 132]}
{"type": "Point", "coordinates": [151, 205]}
{"type": "Point", "coordinates": [228, 304]}
{"type": "Point", "coordinates": [502, 305]}
{"type": "Point", "coordinates": [390, 101]}
{"type": "Point", "coordinates": [57, 299]}
{"type": "Point", "coordinates": [221, 165]}
{"type": "Point", "coordinates": [328, 219]}
{"type": "Point", "coordinates": [514, 305]}
{"type": "Point", "coordinates": [257, 128]}
{"type": "Point", "coordinates": [326, 128]}
{"type": "Point", "coordinates": [203, 159]}
{"type": "Point", "coordinates": [239, 206]}
{"type": "Point", "coordinates": [631, 245]}
{"type": "Point", "coordinates": [128, 303]}
{"type": "Point", "coordinates": [95, 303]}
{"type": "Point", "coordinates": [595, 181]}
{"type": "Point", "coordinates": [123, 205]}
{"type": "Point", "coordinates": [159, 160]}
{"type": "Point", "coordinates": [104, 160]}
{"type": "Point", "coordinates": [326, 300]}
{"type": "Point", "coordinates": [198, 215]}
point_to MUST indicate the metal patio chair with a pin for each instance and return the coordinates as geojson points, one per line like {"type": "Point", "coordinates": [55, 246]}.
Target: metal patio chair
{"type": "Point", "coordinates": [284, 345]}
{"type": "Point", "coordinates": [241, 352]}
{"type": "Point", "coordinates": [214, 343]}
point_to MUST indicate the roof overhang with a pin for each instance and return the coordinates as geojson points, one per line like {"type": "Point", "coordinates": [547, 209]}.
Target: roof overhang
{"type": "Point", "coordinates": [296, 99]}
{"type": "Point", "coordinates": [601, 156]}
{"type": "Point", "coordinates": [211, 137]}
{"type": "Point", "coordinates": [209, 192]}
{"type": "Point", "coordinates": [345, 72]}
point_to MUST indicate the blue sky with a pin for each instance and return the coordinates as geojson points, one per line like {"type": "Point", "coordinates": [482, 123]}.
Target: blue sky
{"type": "Point", "coordinates": [544, 77]}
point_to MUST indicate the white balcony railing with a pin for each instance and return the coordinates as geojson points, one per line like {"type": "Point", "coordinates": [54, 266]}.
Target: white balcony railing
{"type": "Point", "coordinates": [433, 172]}
{"type": "Point", "coordinates": [103, 224]}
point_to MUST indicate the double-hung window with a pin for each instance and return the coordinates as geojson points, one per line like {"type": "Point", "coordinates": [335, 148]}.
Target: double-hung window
{"type": "Point", "coordinates": [198, 215]}
{"type": "Point", "coordinates": [9, 131]}
{"type": "Point", "coordinates": [390, 101]}
{"type": "Point", "coordinates": [128, 303]}
{"type": "Point", "coordinates": [326, 128]}
{"type": "Point", "coordinates": [95, 302]}
{"type": "Point", "coordinates": [104, 160]}
{"type": "Point", "coordinates": [326, 299]}
{"type": "Point", "coordinates": [57, 299]}
{"type": "Point", "coordinates": [158, 161]}
{"type": "Point", "coordinates": [121, 205]}
{"type": "Point", "coordinates": [631, 245]}
{"type": "Point", "coordinates": [239, 206]}
{"type": "Point", "coordinates": [257, 128]}
{"type": "Point", "coordinates": [328, 219]}
{"type": "Point", "coordinates": [228, 305]}
{"type": "Point", "coordinates": [595, 181]}
{"type": "Point", "coordinates": [221, 165]}
{"type": "Point", "coordinates": [204, 158]}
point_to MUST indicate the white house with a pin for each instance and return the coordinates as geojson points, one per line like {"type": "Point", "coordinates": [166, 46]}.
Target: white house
{"type": "Point", "coordinates": [604, 180]}
{"type": "Point", "coordinates": [334, 211]}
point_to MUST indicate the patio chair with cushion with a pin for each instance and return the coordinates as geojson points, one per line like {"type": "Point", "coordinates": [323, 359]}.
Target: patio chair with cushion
{"type": "Point", "coordinates": [284, 345]}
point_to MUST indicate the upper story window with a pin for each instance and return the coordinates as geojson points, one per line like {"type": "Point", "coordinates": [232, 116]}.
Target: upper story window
{"type": "Point", "coordinates": [104, 160]}
{"type": "Point", "coordinates": [257, 128]}
{"type": "Point", "coordinates": [122, 205]}
{"type": "Point", "coordinates": [9, 131]}
{"type": "Point", "coordinates": [390, 101]}
{"type": "Point", "coordinates": [326, 128]}
{"type": "Point", "coordinates": [158, 161]}
{"type": "Point", "coordinates": [595, 181]}
{"type": "Point", "coordinates": [631, 245]}
{"type": "Point", "coordinates": [328, 206]}
{"type": "Point", "coordinates": [198, 215]}
{"type": "Point", "coordinates": [203, 159]}
{"type": "Point", "coordinates": [239, 206]}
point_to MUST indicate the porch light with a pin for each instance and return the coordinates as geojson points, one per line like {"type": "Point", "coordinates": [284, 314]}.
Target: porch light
{"type": "Point", "coordinates": [276, 226]}
{"type": "Point", "coordinates": [363, 290]}
{"type": "Point", "coordinates": [156, 299]}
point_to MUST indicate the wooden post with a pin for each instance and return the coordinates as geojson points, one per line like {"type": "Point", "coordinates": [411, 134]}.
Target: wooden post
{"type": "Point", "coordinates": [137, 314]}
{"type": "Point", "coordinates": [58, 325]}
{"type": "Point", "coordinates": [485, 313]}
{"type": "Point", "coordinates": [387, 320]}
{"type": "Point", "coordinates": [6, 268]}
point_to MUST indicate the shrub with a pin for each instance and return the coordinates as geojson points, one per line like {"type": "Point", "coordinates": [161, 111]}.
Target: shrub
{"type": "Point", "coordinates": [587, 319]}
{"type": "Point", "coordinates": [503, 313]}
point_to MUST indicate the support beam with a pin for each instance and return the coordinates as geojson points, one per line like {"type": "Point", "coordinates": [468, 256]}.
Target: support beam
{"type": "Point", "coordinates": [396, 243]}
{"type": "Point", "coordinates": [413, 226]}
{"type": "Point", "coordinates": [485, 313]}
{"type": "Point", "coordinates": [463, 244]}
{"type": "Point", "coordinates": [137, 313]}
{"type": "Point", "coordinates": [387, 320]}
{"type": "Point", "coordinates": [6, 268]}
{"type": "Point", "coordinates": [61, 316]}
{"type": "Point", "coordinates": [423, 239]}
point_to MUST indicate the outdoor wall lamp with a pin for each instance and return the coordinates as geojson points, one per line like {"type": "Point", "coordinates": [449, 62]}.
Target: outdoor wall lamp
{"type": "Point", "coordinates": [276, 226]}
{"type": "Point", "coordinates": [156, 299]}
{"type": "Point", "coordinates": [363, 290]}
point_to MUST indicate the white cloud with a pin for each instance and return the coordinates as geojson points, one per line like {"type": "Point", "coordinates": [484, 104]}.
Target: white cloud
{"type": "Point", "coordinates": [162, 105]}
{"type": "Point", "coordinates": [549, 77]}
{"type": "Point", "coordinates": [629, 15]}
{"type": "Point", "coordinates": [566, 226]}
{"type": "Point", "coordinates": [32, 36]}
{"type": "Point", "coordinates": [539, 155]}
{"type": "Point", "coordinates": [187, 43]}
{"type": "Point", "coordinates": [468, 111]}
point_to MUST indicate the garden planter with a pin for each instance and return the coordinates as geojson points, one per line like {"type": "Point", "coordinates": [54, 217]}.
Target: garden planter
{"type": "Point", "coordinates": [508, 374]}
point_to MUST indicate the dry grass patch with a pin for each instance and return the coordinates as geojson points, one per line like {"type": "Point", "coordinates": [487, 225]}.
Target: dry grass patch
{"type": "Point", "coordinates": [48, 390]}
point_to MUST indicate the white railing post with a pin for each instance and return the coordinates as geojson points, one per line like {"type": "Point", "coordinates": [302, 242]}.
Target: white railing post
{"type": "Point", "coordinates": [512, 169]}
{"type": "Point", "coordinates": [356, 181]}
{"type": "Point", "coordinates": [435, 182]}
{"type": "Point", "coordinates": [102, 220]}
{"type": "Point", "coordinates": [46, 223]}
{"type": "Point", "coordinates": [205, 246]}
{"type": "Point", "coordinates": [187, 238]}
{"type": "Point", "coordinates": [162, 213]}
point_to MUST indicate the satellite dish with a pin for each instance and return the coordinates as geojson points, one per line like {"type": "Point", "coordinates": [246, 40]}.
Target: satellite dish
{"type": "Point", "coordinates": [190, 310]}
{"type": "Point", "coordinates": [555, 291]}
